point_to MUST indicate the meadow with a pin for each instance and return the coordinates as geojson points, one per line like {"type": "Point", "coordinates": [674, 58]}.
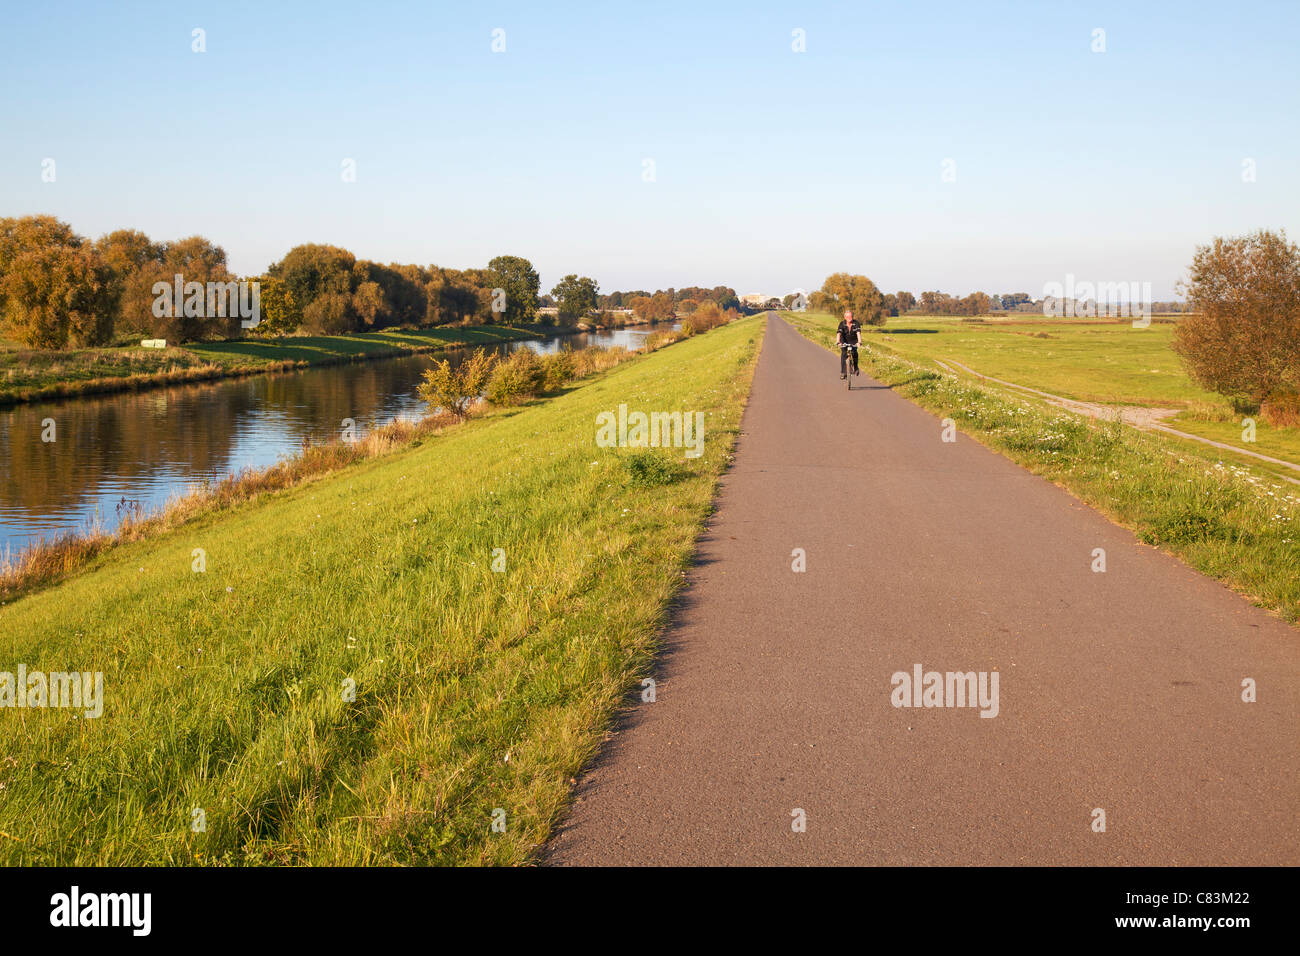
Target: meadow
{"type": "Point", "coordinates": [1109, 362]}
{"type": "Point", "coordinates": [377, 665]}
{"type": "Point", "coordinates": [1104, 361]}
{"type": "Point", "coordinates": [1229, 522]}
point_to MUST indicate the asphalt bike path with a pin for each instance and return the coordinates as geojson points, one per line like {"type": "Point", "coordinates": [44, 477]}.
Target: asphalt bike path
{"type": "Point", "coordinates": [774, 738]}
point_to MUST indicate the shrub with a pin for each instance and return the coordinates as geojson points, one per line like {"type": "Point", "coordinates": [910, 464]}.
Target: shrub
{"type": "Point", "coordinates": [658, 340]}
{"type": "Point", "coordinates": [557, 370]}
{"type": "Point", "coordinates": [454, 388]}
{"type": "Point", "coordinates": [709, 316]}
{"type": "Point", "coordinates": [591, 360]}
{"type": "Point", "coordinates": [519, 377]}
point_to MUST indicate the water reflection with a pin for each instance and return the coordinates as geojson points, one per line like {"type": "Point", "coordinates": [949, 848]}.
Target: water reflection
{"type": "Point", "coordinates": [141, 449]}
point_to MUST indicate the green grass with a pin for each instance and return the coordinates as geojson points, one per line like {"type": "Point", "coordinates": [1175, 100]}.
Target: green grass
{"type": "Point", "coordinates": [476, 690]}
{"type": "Point", "coordinates": [320, 349]}
{"type": "Point", "coordinates": [1112, 363]}
{"type": "Point", "coordinates": [1281, 443]}
{"type": "Point", "coordinates": [27, 375]}
{"type": "Point", "coordinates": [1105, 362]}
{"type": "Point", "coordinates": [1227, 521]}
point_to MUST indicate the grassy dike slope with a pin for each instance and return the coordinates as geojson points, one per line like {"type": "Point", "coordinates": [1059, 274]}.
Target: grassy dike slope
{"type": "Point", "coordinates": [475, 690]}
{"type": "Point", "coordinates": [1226, 522]}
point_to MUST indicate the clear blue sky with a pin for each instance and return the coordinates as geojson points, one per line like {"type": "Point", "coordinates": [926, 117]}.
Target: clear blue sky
{"type": "Point", "coordinates": [772, 168]}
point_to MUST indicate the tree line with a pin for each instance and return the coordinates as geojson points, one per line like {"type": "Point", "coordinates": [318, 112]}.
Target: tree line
{"type": "Point", "coordinates": [874, 306]}
{"type": "Point", "coordinates": [59, 289]}
{"type": "Point", "coordinates": [665, 303]}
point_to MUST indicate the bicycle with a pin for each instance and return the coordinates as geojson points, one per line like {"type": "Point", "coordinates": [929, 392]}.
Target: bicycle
{"type": "Point", "coordinates": [852, 364]}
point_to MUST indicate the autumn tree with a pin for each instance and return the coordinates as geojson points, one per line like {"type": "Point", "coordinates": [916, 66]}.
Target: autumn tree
{"type": "Point", "coordinates": [388, 295]}
{"type": "Point", "coordinates": [331, 313]}
{"type": "Point", "coordinates": [196, 260]}
{"type": "Point", "coordinates": [54, 287]}
{"type": "Point", "coordinates": [369, 303]}
{"type": "Point", "coordinates": [842, 291]}
{"type": "Point", "coordinates": [1243, 338]}
{"type": "Point", "coordinates": [450, 296]}
{"type": "Point", "coordinates": [662, 307]}
{"type": "Point", "coordinates": [977, 303]}
{"type": "Point", "coordinates": [281, 314]}
{"type": "Point", "coordinates": [131, 257]}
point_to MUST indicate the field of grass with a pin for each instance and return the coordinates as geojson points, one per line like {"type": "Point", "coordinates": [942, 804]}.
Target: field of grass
{"type": "Point", "coordinates": [1108, 362]}
{"type": "Point", "coordinates": [479, 693]}
{"type": "Point", "coordinates": [1226, 521]}
{"type": "Point", "coordinates": [27, 375]}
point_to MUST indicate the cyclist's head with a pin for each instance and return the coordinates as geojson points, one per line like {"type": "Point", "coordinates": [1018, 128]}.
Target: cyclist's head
{"type": "Point", "coordinates": [848, 316]}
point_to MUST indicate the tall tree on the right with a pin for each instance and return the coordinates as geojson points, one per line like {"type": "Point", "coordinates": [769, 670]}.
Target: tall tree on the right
{"type": "Point", "coordinates": [1243, 336]}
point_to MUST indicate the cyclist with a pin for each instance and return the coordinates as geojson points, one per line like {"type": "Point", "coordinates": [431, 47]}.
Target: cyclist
{"type": "Point", "coordinates": [848, 336]}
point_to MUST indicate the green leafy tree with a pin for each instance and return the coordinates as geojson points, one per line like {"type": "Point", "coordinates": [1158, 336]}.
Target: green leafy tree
{"type": "Point", "coordinates": [311, 270]}
{"type": "Point", "coordinates": [575, 296]}
{"type": "Point", "coordinates": [517, 278]}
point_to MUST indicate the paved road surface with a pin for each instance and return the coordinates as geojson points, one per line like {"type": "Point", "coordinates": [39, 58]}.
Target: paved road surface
{"type": "Point", "coordinates": [1118, 690]}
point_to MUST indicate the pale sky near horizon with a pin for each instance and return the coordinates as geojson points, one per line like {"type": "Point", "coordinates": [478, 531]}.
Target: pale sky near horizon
{"type": "Point", "coordinates": [772, 168]}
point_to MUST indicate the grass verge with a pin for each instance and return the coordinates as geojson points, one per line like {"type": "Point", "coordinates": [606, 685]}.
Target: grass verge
{"type": "Point", "coordinates": [484, 679]}
{"type": "Point", "coordinates": [1220, 518]}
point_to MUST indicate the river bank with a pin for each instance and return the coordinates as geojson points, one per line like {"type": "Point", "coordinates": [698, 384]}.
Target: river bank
{"type": "Point", "coordinates": [36, 376]}
{"type": "Point", "coordinates": [82, 465]}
